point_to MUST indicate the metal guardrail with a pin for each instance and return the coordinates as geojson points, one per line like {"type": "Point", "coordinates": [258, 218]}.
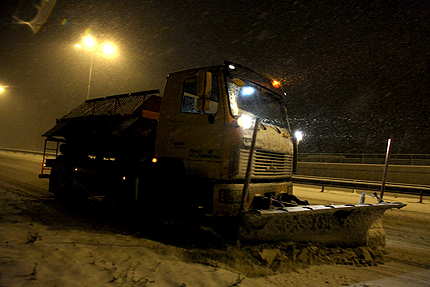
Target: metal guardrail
{"type": "Point", "coordinates": [21, 151]}
{"type": "Point", "coordinates": [355, 158]}
{"type": "Point", "coordinates": [412, 189]}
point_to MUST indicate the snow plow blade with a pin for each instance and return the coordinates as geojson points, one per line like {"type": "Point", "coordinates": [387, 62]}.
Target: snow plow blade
{"type": "Point", "coordinates": [340, 225]}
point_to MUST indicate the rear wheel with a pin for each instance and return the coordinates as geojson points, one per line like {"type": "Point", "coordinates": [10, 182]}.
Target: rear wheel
{"type": "Point", "coordinates": [61, 182]}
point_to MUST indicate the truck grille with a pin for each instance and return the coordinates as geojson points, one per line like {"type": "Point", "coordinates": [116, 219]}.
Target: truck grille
{"type": "Point", "coordinates": [267, 164]}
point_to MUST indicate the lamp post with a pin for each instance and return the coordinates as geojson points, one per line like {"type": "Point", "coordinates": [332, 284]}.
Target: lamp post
{"type": "Point", "coordinates": [89, 77]}
{"type": "Point", "coordinates": [90, 44]}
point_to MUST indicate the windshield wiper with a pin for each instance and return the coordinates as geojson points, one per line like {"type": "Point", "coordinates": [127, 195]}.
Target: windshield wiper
{"type": "Point", "coordinates": [277, 129]}
{"type": "Point", "coordinates": [264, 127]}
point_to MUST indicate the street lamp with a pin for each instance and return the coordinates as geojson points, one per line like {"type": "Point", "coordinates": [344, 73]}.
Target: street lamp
{"type": "Point", "coordinates": [108, 49]}
{"type": "Point", "coordinates": [90, 44]}
{"type": "Point", "coordinates": [3, 89]}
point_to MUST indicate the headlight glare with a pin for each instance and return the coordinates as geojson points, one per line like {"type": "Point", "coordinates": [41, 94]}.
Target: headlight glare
{"type": "Point", "coordinates": [245, 121]}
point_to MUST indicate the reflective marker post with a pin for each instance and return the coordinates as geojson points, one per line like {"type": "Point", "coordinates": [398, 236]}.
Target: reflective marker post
{"type": "Point", "coordinates": [384, 176]}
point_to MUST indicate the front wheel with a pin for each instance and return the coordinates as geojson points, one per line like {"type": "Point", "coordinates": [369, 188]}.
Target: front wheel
{"type": "Point", "coordinates": [163, 187]}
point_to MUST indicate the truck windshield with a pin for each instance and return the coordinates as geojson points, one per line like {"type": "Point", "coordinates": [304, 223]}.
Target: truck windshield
{"type": "Point", "coordinates": [253, 99]}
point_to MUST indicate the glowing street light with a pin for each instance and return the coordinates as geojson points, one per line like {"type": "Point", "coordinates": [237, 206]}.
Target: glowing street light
{"type": "Point", "coordinates": [90, 44]}
{"type": "Point", "coordinates": [298, 135]}
{"type": "Point", "coordinates": [108, 49]}
{"type": "Point", "coordinates": [3, 89]}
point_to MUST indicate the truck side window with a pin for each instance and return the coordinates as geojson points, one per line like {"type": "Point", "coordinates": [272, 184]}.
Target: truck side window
{"type": "Point", "coordinates": [189, 97]}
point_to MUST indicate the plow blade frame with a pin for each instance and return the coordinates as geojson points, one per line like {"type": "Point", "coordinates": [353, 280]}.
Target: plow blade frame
{"type": "Point", "coordinates": [339, 225]}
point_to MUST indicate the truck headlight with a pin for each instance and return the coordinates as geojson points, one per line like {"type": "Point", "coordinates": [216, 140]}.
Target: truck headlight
{"type": "Point", "coordinates": [298, 135]}
{"type": "Point", "coordinates": [245, 121]}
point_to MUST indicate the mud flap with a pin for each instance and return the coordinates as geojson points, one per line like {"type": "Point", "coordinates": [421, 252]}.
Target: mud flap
{"type": "Point", "coordinates": [340, 225]}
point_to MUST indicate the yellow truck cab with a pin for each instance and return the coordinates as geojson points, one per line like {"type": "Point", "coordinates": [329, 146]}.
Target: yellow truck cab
{"type": "Point", "coordinates": [206, 120]}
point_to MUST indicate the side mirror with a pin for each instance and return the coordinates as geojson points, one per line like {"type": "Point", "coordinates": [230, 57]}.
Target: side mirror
{"type": "Point", "coordinates": [204, 84]}
{"type": "Point", "coordinates": [238, 82]}
{"type": "Point", "coordinates": [211, 118]}
{"type": "Point", "coordinates": [203, 104]}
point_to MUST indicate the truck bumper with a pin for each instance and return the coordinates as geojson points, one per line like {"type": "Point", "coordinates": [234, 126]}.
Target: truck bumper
{"type": "Point", "coordinates": [227, 197]}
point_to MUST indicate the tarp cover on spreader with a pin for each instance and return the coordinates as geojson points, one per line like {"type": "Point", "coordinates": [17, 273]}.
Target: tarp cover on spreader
{"type": "Point", "coordinates": [111, 125]}
{"type": "Point", "coordinates": [105, 117]}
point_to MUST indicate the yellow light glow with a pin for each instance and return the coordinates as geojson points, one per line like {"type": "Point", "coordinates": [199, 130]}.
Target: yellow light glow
{"type": "Point", "coordinates": [275, 84]}
{"type": "Point", "coordinates": [89, 42]}
{"type": "Point", "coordinates": [298, 135]}
{"type": "Point", "coordinates": [245, 121]}
{"type": "Point", "coordinates": [234, 91]}
{"type": "Point", "coordinates": [2, 89]}
{"type": "Point", "coordinates": [154, 160]}
{"type": "Point", "coordinates": [108, 49]}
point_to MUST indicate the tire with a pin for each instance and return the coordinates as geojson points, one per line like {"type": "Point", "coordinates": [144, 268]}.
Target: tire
{"type": "Point", "coordinates": [61, 182]}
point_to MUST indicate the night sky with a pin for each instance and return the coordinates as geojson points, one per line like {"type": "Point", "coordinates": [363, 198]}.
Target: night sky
{"type": "Point", "coordinates": [356, 72]}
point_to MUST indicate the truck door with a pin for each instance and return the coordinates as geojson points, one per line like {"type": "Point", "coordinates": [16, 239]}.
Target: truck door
{"type": "Point", "coordinates": [198, 125]}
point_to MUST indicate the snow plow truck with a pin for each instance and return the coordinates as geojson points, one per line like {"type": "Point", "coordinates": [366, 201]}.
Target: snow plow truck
{"type": "Point", "coordinates": [217, 142]}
